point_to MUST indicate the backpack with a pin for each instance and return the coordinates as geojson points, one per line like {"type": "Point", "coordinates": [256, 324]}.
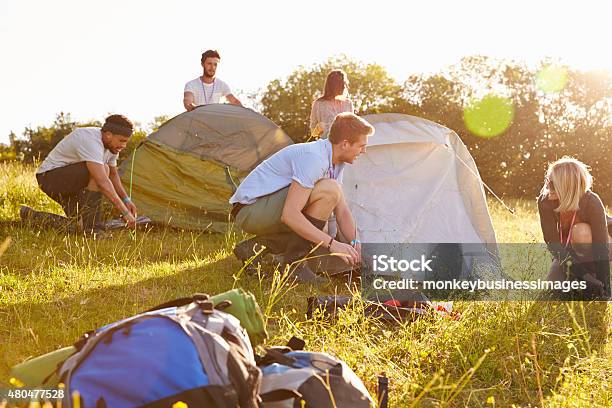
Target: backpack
{"type": "Point", "coordinates": [196, 354]}
{"type": "Point", "coordinates": [292, 378]}
{"type": "Point", "coordinates": [42, 371]}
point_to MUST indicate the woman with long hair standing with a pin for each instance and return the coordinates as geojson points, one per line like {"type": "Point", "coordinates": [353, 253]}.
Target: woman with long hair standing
{"type": "Point", "coordinates": [575, 226]}
{"type": "Point", "coordinates": [334, 101]}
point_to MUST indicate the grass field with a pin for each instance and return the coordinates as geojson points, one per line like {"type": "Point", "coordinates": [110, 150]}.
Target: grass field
{"type": "Point", "coordinates": [55, 287]}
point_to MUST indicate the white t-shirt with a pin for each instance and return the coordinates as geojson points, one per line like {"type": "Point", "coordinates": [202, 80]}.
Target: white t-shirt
{"type": "Point", "coordinates": [82, 144]}
{"type": "Point", "coordinates": [205, 94]}
{"type": "Point", "coordinates": [305, 163]}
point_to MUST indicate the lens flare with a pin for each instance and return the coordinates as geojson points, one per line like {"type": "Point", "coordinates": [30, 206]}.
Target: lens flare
{"type": "Point", "coordinates": [551, 78]}
{"type": "Point", "coordinates": [489, 117]}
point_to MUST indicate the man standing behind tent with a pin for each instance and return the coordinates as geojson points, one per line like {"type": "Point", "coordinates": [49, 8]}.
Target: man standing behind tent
{"type": "Point", "coordinates": [82, 167]}
{"type": "Point", "coordinates": [286, 200]}
{"type": "Point", "coordinates": [207, 89]}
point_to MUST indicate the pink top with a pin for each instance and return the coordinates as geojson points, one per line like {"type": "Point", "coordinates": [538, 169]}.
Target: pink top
{"type": "Point", "coordinates": [323, 113]}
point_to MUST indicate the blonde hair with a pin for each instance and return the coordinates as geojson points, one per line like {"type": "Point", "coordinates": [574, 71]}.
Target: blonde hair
{"type": "Point", "coordinates": [569, 179]}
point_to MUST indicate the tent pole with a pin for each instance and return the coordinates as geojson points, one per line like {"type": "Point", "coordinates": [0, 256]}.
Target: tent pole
{"type": "Point", "coordinates": [485, 184]}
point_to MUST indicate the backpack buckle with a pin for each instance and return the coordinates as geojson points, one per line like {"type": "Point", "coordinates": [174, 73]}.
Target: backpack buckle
{"type": "Point", "coordinates": [200, 297]}
{"type": "Point", "coordinates": [206, 306]}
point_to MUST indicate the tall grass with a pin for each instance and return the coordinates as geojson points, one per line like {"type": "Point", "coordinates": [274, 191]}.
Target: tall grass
{"type": "Point", "coordinates": [55, 287]}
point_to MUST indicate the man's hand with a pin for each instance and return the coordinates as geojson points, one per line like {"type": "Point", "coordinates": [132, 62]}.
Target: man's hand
{"type": "Point", "coordinates": [233, 100]}
{"type": "Point", "coordinates": [188, 101]}
{"type": "Point", "coordinates": [130, 220]}
{"type": "Point", "coordinates": [131, 208]}
{"type": "Point", "coordinates": [347, 252]}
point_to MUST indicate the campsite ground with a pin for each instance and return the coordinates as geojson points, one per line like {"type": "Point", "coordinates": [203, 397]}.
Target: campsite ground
{"type": "Point", "coordinates": [54, 287]}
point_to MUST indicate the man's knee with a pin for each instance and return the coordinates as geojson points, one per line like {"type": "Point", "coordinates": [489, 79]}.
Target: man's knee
{"type": "Point", "coordinates": [327, 189]}
{"type": "Point", "coordinates": [92, 185]}
{"type": "Point", "coordinates": [581, 234]}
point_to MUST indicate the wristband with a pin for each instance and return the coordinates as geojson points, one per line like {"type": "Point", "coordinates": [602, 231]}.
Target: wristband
{"type": "Point", "coordinates": [355, 242]}
{"type": "Point", "coordinates": [126, 199]}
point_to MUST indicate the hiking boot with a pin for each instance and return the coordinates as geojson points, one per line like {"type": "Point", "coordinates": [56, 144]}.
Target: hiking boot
{"type": "Point", "coordinates": [89, 209]}
{"type": "Point", "coordinates": [45, 220]}
{"type": "Point", "coordinates": [26, 213]}
{"type": "Point", "coordinates": [303, 274]}
{"type": "Point", "coordinates": [247, 249]}
{"type": "Point", "coordinates": [298, 267]}
{"type": "Point", "coordinates": [298, 248]}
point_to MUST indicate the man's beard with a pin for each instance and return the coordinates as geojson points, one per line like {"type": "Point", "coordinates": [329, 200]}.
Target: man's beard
{"type": "Point", "coordinates": [207, 75]}
{"type": "Point", "coordinates": [108, 147]}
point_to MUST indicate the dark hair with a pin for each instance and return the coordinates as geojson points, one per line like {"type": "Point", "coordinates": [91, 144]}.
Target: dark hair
{"type": "Point", "coordinates": [118, 125]}
{"type": "Point", "coordinates": [210, 54]}
{"type": "Point", "coordinates": [348, 126]}
{"type": "Point", "coordinates": [334, 84]}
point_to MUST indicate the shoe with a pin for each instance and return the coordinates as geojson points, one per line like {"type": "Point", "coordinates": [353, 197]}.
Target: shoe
{"type": "Point", "coordinates": [45, 220]}
{"type": "Point", "coordinates": [247, 249]}
{"type": "Point", "coordinates": [303, 274]}
{"type": "Point", "coordinates": [25, 213]}
{"type": "Point", "coordinates": [89, 209]}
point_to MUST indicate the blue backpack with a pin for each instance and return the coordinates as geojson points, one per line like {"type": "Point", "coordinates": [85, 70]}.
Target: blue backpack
{"type": "Point", "coordinates": [195, 354]}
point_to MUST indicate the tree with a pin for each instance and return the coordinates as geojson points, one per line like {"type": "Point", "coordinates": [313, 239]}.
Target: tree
{"type": "Point", "coordinates": [573, 120]}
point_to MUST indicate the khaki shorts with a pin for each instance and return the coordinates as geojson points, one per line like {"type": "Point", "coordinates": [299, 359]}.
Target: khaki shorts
{"type": "Point", "coordinates": [264, 215]}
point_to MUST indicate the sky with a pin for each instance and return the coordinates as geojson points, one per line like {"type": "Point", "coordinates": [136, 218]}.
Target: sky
{"type": "Point", "coordinates": [92, 58]}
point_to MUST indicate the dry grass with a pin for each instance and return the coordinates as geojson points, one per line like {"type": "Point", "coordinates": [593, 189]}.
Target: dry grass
{"type": "Point", "coordinates": [54, 288]}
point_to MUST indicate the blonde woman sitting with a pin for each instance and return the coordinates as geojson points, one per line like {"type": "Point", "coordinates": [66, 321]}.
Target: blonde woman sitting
{"type": "Point", "coordinates": [575, 226]}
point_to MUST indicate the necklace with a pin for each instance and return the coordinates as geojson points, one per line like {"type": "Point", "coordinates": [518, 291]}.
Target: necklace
{"type": "Point", "coordinates": [569, 234]}
{"type": "Point", "coordinates": [204, 90]}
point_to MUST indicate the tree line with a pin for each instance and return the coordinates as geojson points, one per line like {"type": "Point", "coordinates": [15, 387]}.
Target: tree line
{"type": "Point", "coordinates": [552, 110]}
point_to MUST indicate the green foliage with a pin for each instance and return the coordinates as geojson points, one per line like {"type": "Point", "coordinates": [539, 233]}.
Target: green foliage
{"type": "Point", "coordinates": [546, 126]}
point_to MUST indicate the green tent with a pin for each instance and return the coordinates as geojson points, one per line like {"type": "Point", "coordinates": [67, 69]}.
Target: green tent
{"type": "Point", "coordinates": [184, 173]}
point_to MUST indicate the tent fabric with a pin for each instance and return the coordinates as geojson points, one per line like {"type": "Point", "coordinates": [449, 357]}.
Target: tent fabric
{"type": "Point", "coordinates": [417, 183]}
{"type": "Point", "coordinates": [181, 175]}
{"type": "Point", "coordinates": [233, 135]}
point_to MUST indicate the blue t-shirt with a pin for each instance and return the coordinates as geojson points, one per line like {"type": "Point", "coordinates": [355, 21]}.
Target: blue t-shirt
{"type": "Point", "coordinates": [305, 163]}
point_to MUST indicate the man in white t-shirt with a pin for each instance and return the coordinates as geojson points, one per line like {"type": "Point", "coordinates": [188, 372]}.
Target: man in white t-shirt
{"type": "Point", "coordinates": [81, 168]}
{"type": "Point", "coordinates": [207, 88]}
{"type": "Point", "coordinates": [287, 199]}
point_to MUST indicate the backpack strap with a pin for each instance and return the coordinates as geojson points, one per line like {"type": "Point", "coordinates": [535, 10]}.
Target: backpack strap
{"type": "Point", "coordinates": [244, 376]}
{"type": "Point", "coordinates": [224, 365]}
{"type": "Point", "coordinates": [280, 395]}
{"type": "Point", "coordinates": [296, 344]}
{"type": "Point", "coordinates": [278, 354]}
{"type": "Point", "coordinates": [180, 302]}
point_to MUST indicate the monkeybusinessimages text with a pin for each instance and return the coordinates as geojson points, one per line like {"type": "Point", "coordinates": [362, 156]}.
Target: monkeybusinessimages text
{"type": "Point", "coordinates": [384, 263]}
